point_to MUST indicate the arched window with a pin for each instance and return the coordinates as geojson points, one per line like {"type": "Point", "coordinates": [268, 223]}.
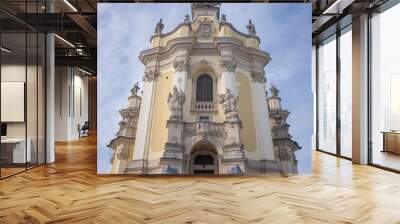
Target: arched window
{"type": "Point", "coordinates": [204, 88]}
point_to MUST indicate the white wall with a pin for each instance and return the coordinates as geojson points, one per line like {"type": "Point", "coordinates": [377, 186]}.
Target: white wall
{"type": "Point", "coordinates": [71, 102]}
{"type": "Point", "coordinates": [33, 125]}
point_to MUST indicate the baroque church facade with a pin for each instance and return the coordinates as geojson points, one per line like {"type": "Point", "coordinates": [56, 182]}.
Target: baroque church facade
{"type": "Point", "coordinates": [204, 107]}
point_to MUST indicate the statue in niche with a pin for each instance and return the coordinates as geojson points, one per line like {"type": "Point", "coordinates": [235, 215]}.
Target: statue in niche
{"type": "Point", "coordinates": [251, 28]}
{"type": "Point", "coordinates": [159, 27]}
{"type": "Point", "coordinates": [175, 103]}
{"type": "Point", "coordinates": [229, 104]}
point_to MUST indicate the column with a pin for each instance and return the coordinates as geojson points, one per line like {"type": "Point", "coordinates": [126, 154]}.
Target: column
{"type": "Point", "coordinates": [360, 90]}
{"type": "Point", "coordinates": [264, 135]}
{"type": "Point", "coordinates": [233, 156]}
{"type": "Point", "coordinates": [120, 160]}
{"type": "Point", "coordinates": [228, 77]}
{"type": "Point", "coordinates": [50, 92]}
{"type": "Point", "coordinates": [180, 79]}
{"type": "Point", "coordinates": [143, 126]}
{"type": "Point", "coordinates": [172, 160]}
{"type": "Point", "coordinates": [180, 76]}
{"type": "Point", "coordinates": [50, 98]}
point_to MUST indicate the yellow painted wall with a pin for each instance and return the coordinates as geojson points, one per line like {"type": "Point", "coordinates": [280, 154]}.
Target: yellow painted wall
{"type": "Point", "coordinates": [246, 112]}
{"type": "Point", "coordinates": [161, 113]}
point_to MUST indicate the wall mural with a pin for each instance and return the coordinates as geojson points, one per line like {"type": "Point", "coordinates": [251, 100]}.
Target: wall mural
{"type": "Point", "coordinates": [193, 93]}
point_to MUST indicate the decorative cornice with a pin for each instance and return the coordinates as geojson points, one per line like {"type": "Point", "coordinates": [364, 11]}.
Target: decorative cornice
{"type": "Point", "coordinates": [223, 23]}
{"type": "Point", "coordinates": [151, 54]}
{"type": "Point", "coordinates": [181, 65]}
{"type": "Point", "coordinates": [221, 44]}
{"type": "Point", "coordinates": [162, 35]}
{"type": "Point", "coordinates": [117, 138]}
{"type": "Point", "coordinates": [228, 65]}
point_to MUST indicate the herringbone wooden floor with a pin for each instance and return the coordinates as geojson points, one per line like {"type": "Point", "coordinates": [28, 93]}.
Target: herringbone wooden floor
{"type": "Point", "coordinates": [70, 191]}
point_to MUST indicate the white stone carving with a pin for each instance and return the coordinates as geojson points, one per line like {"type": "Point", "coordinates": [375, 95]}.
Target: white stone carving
{"type": "Point", "coordinates": [230, 105]}
{"type": "Point", "coordinates": [206, 29]}
{"type": "Point", "coordinates": [149, 75]}
{"type": "Point", "coordinates": [258, 77]}
{"type": "Point", "coordinates": [175, 103]}
{"type": "Point", "coordinates": [228, 65]}
{"type": "Point", "coordinates": [180, 65]}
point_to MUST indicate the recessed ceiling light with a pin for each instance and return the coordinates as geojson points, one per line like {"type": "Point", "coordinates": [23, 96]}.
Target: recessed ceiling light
{"type": "Point", "coordinates": [70, 5]}
{"type": "Point", "coordinates": [84, 71]}
{"type": "Point", "coordinates": [5, 50]}
{"type": "Point", "coordinates": [64, 40]}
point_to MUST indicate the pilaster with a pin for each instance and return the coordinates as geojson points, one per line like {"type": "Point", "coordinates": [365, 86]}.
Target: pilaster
{"type": "Point", "coordinates": [228, 76]}
{"type": "Point", "coordinates": [139, 161]}
{"type": "Point", "coordinates": [172, 160]}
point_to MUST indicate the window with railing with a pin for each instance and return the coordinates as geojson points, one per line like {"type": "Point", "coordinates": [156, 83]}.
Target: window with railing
{"type": "Point", "coordinates": [204, 88]}
{"type": "Point", "coordinates": [204, 97]}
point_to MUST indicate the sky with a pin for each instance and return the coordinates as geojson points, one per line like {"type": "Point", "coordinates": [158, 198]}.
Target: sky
{"type": "Point", "coordinates": [124, 30]}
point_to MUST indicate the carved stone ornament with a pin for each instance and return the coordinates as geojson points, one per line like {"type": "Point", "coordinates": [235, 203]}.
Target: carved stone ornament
{"type": "Point", "coordinates": [229, 103]}
{"type": "Point", "coordinates": [284, 156]}
{"type": "Point", "coordinates": [180, 66]}
{"type": "Point", "coordinates": [175, 103]}
{"type": "Point", "coordinates": [128, 116]}
{"type": "Point", "coordinates": [112, 158]}
{"type": "Point", "coordinates": [122, 154]}
{"type": "Point", "coordinates": [212, 5]}
{"type": "Point", "coordinates": [258, 77]}
{"type": "Point", "coordinates": [149, 75]}
{"type": "Point", "coordinates": [206, 29]}
{"type": "Point", "coordinates": [228, 65]}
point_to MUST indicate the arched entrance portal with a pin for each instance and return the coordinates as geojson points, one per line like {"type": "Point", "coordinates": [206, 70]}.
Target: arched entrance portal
{"type": "Point", "coordinates": [203, 159]}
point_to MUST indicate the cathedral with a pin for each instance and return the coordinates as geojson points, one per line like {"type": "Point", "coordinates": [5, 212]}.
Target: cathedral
{"type": "Point", "coordinates": [204, 108]}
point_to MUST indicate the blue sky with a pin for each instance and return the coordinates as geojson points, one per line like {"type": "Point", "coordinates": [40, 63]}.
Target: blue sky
{"type": "Point", "coordinates": [125, 29]}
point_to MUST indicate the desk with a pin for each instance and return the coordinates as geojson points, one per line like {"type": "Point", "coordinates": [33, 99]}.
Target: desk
{"type": "Point", "coordinates": [13, 150]}
{"type": "Point", "coordinates": [391, 141]}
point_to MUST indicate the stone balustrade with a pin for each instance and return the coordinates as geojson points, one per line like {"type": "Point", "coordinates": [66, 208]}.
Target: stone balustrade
{"type": "Point", "coordinates": [204, 106]}
{"type": "Point", "coordinates": [204, 127]}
